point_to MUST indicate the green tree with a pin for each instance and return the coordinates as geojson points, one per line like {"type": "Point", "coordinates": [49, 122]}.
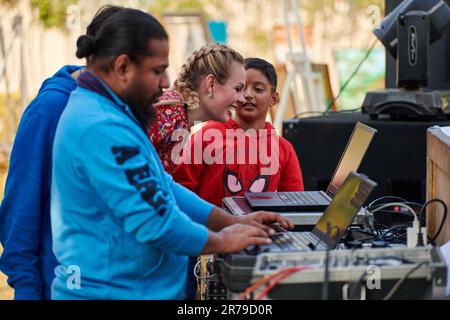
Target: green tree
{"type": "Point", "coordinates": [52, 13]}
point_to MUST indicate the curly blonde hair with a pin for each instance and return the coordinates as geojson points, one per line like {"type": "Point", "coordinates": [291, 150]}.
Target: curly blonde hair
{"type": "Point", "coordinates": [212, 58]}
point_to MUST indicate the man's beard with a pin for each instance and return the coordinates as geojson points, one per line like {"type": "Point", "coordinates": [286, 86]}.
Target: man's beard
{"type": "Point", "coordinates": [141, 108]}
{"type": "Point", "coordinates": [145, 114]}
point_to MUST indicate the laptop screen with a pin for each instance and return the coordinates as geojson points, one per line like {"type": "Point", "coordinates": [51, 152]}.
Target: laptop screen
{"type": "Point", "coordinates": [351, 158]}
{"type": "Point", "coordinates": [343, 209]}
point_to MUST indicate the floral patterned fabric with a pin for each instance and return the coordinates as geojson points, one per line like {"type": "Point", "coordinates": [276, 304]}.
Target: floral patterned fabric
{"type": "Point", "coordinates": [171, 115]}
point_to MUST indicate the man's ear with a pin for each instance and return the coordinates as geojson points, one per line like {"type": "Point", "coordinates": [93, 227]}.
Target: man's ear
{"type": "Point", "coordinates": [274, 99]}
{"type": "Point", "coordinates": [121, 67]}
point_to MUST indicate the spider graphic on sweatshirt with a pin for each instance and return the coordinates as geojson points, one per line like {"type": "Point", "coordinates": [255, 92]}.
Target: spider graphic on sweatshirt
{"type": "Point", "coordinates": [238, 179]}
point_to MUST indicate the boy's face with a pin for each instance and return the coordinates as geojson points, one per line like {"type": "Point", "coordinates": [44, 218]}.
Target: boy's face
{"type": "Point", "coordinates": [258, 97]}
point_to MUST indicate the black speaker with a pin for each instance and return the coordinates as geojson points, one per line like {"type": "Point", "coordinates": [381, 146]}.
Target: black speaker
{"type": "Point", "coordinates": [438, 75]}
{"type": "Point", "coordinates": [396, 158]}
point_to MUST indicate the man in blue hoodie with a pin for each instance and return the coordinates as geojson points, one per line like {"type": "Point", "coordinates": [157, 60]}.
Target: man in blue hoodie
{"type": "Point", "coordinates": [25, 234]}
{"type": "Point", "coordinates": [122, 228]}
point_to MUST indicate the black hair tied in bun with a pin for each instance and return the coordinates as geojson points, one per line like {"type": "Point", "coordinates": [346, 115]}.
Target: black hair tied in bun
{"type": "Point", "coordinates": [85, 46]}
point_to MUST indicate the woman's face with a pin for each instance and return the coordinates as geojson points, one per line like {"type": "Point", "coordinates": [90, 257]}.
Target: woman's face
{"type": "Point", "coordinates": [226, 95]}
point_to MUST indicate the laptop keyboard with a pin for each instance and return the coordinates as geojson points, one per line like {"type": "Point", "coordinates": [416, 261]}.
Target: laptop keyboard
{"type": "Point", "coordinates": [294, 241]}
{"type": "Point", "coordinates": [297, 198]}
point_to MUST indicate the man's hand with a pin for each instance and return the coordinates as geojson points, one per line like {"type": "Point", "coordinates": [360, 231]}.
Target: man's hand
{"type": "Point", "coordinates": [235, 238]}
{"type": "Point", "coordinates": [264, 219]}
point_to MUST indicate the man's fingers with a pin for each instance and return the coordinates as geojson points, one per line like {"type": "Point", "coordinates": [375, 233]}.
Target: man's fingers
{"type": "Point", "coordinates": [270, 231]}
{"type": "Point", "coordinates": [254, 231]}
{"type": "Point", "coordinates": [259, 240]}
{"type": "Point", "coordinates": [287, 224]}
{"type": "Point", "coordinates": [267, 229]}
{"type": "Point", "coordinates": [271, 217]}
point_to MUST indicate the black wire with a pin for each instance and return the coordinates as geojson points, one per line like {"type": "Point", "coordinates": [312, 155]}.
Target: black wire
{"type": "Point", "coordinates": [354, 285]}
{"type": "Point", "coordinates": [364, 232]}
{"type": "Point", "coordinates": [444, 218]}
{"type": "Point", "coordinates": [389, 234]}
{"type": "Point", "coordinates": [383, 225]}
{"type": "Point", "coordinates": [393, 234]}
{"type": "Point", "coordinates": [327, 275]}
{"type": "Point", "coordinates": [374, 232]}
{"type": "Point", "coordinates": [372, 235]}
{"type": "Point", "coordinates": [377, 229]}
{"type": "Point", "coordinates": [327, 262]}
{"type": "Point", "coordinates": [341, 90]}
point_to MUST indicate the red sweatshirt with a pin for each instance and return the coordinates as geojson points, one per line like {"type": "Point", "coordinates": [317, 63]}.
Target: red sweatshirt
{"type": "Point", "coordinates": [246, 170]}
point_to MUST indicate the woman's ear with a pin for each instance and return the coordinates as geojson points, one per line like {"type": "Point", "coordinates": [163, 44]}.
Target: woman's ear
{"type": "Point", "coordinates": [274, 99]}
{"type": "Point", "coordinates": [210, 80]}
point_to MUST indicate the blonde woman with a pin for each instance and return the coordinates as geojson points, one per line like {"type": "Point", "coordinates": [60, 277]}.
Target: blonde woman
{"type": "Point", "coordinates": [211, 80]}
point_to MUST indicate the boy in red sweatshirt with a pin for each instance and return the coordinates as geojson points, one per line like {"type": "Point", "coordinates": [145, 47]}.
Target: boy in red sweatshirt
{"type": "Point", "coordinates": [244, 154]}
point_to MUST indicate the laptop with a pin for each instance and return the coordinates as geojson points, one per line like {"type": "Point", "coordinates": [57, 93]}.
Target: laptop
{"type": "Point", "coordinates": [318, 200]}
{"type": "Point", "coordinates": [329, 230]}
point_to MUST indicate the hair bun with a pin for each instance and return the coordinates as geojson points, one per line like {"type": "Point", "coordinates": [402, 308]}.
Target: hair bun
{"type": "Point", "coordinates": [85, 46]}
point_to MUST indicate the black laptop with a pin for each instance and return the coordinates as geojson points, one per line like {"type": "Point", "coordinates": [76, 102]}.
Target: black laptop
{"type": "Point", "coordinates": [308, 201]}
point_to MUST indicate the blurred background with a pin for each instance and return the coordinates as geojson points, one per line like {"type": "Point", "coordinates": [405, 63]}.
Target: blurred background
{"type": "Point", "coordinates": [317, 45]}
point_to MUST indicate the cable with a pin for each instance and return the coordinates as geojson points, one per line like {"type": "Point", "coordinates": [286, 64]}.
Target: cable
{"type": "Point", "coordinates": [386, 197]}
{"type": "Point", "coordinates": [355, 284]}
{"type": "Point", "coordinates": [196, 267]}
{"type": "Point", "coordinates": [327, 261]}
{"type": "Point", "coordinates": [396, 204]}
{"type": "Point", "coordinates": [372, 207]}
{"type": "Point", "coordinates": [444, 218]}
{"type": "Point", "coordinates": [244, 295]}
{"type": "Point", "coordinates": [341, 90]}
{"type": "Point", "coordinates": [390, 230]}
{"type": "Point", "coordinates": [400, 282]}
{"type": "Point", "coordinates": [327, 275]}
{"type": "Point", "coordinates": [283, 273]}
{"type": "Point", "coordinates": [364, 232]}
{"type": "Point", "coordinates": [277, 281]}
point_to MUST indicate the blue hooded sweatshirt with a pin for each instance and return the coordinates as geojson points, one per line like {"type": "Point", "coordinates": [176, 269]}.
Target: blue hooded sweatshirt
{"type": "Point", "coordinates": [122, 228]}
{"type": "Point", "coordinates": [25, 233]}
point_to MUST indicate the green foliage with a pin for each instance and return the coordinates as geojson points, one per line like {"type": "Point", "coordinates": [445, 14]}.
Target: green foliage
{"type": "Point", "coordinates": [52, 13]}
{"type": "Point", "coordinates": [160, 5]}
{"type": "Point", "coordinates": [319, 5]}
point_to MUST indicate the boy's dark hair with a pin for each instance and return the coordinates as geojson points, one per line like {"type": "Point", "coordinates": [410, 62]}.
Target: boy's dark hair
{"type": "Point", "coordinates": [265, 67]}
{"type": "Point", "coordinates": [126, 31]}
